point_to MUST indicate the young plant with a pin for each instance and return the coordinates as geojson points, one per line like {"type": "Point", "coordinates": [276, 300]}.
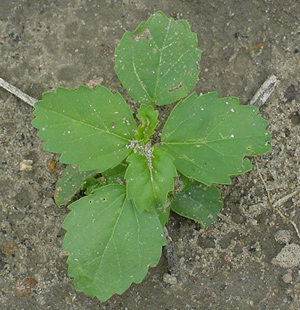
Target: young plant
{"type": "Point", "coordinates": [115, 232]}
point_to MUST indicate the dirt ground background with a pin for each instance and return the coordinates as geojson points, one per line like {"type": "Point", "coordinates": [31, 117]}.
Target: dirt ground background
{"type": "Point", "coordinates": [230, 265]}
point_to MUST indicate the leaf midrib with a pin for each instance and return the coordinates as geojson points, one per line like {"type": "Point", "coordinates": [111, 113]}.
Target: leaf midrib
{"type": "Point", "coordinates": [201, 142]}
{"type": "Point", "coordinates": [83, 123]}
{"type": "Point", "coordinates": [111, 237]}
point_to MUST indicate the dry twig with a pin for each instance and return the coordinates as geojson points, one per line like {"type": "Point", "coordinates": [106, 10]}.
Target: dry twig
{"type": "Point", "coordinates": [17, 92]}
{"type": "Point", "coordinates": [264, 91]}
{"type": "Point", "coordinates": [278, 202]}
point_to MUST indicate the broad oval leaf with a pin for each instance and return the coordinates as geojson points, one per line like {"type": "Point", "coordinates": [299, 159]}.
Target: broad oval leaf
{"type": "Point", "coordinates": [200, 203]}
{"type": "Point", "coordinates": [157, 63]}
{"type": "Point", "coordinates": [150, 176]}
{"type": "Point", "coordinates": [210, 137]}
{"type": "Point", "coordinates": [111, 244]}
{"type": "Point", "coordinates": [70, 184]}
{"type": "Point", "coordinates": [89, 128]}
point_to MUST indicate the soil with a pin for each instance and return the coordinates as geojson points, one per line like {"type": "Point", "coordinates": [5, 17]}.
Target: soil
{"type": "Point", "coordinates": [248, 259]}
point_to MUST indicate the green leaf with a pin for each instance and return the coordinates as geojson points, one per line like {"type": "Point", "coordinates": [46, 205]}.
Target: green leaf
{"type": "Point", "coordinates": [90, 185]}
{"type": "Point", "coordinates": [111, 244]}
{"type": "Point", "coordinates": [115, 175]}
{"type": "Point", "coordinates": [89, 182]}
{"type": "Point", "coordinates": [209, 137]}
{"type": "Point", "coordinates": [150, 176]}
{"type": "Point", "coordinates": [70, 184]}
{"type": "Point", "coordinates": [89, 128]}
{"type": "Point", "coordinates": [182, 183]}
{"type": "Point", "coordinates": [199, 203]}
{"type": "Point", "coordinates": [148, 118]}
{"type": "Point", "coordinates": [163, 214]}
{"type": "Point", "coordinates": [157, 63]}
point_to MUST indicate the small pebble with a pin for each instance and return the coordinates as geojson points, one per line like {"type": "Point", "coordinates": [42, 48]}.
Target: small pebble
{"type": "Point", "coordinates": [288, 257]}
{"type": "Point", "coordinates": [48, 202]}
{"type": "Point", "coordinates": [26, 165]}
{"type": "Point", "coordinates": [170, 279]}
{"type": "Point", "coordinates": [283, 236]}
{"type": "Point", "coordinates": [288, 277]}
